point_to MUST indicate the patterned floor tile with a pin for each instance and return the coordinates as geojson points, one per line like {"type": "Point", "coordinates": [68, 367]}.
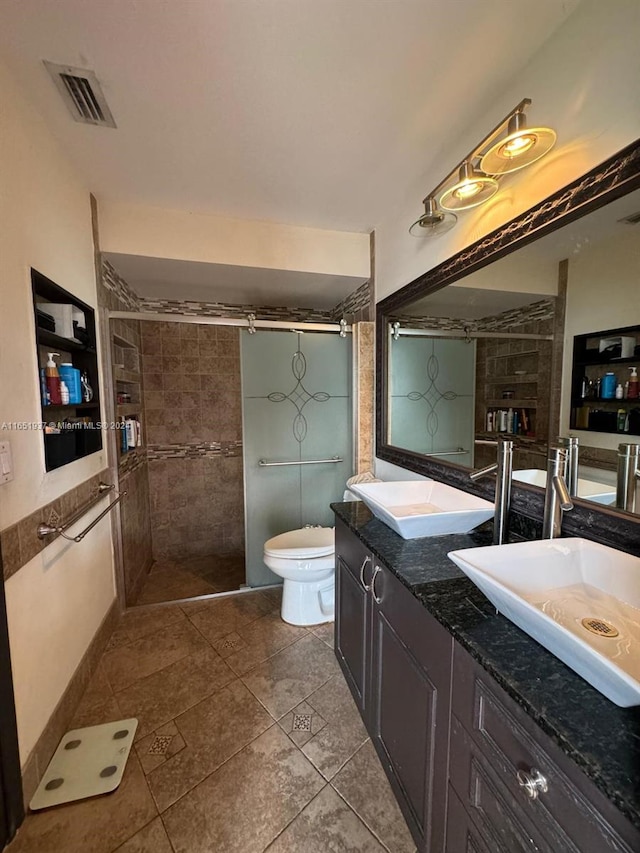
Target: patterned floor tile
{"type": "Point", "coordinates": [363, 784]}
{"type": "Point", "coordinates": [213, 731]}
{"type": "Point", "coordinates": [165, 694]}
{"type": "Point", "coordinates": [152, 838]}
{"type": "Point", "coordinates": [285, 679]}
{"type": "Point", "coordinates": [302, 723]}
{"type": "Point", "coordinates": [149, 749]}
{"type": "Point", "coordinates": [256, 794]}
{"type": "Point", "coordinates": [327, 823]}
{"type": "Point", "coordinates": [344, 733]}
{"type": "Point", "coordinates": [127, 664]}
{"type": "Point", "coordinates": [262, 639]}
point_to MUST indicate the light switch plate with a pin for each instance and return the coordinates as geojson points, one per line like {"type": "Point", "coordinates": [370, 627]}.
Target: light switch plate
{"type": "Point", "coordinates": [6, 462]}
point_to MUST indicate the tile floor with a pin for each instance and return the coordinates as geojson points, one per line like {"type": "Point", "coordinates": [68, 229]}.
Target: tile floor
{"type": "Point", "coordinates": [172, 580]}
{"type": "Point", "coordinates": [248, 741]}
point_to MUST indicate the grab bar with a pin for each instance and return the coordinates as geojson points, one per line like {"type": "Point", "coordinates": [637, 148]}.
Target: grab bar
{"type": "Point", "coordinates": [264, 464]}
{"type": "Point", "coordinates": [459, 451]}
{"type": "Point", "coordinates": [47, 529]}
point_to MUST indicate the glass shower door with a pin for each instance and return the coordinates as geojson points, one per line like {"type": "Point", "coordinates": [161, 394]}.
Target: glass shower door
{"type": "Point", "coordinates": [297, 408]}
{"type": "Point", "coordinates": [432, 396]}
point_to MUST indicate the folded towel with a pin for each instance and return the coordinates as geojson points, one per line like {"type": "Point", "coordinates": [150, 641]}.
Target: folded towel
{"type": "Point", "coordinates": [367, 477]}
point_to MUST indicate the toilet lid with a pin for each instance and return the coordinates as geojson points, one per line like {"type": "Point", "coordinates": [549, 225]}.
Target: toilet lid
{"type": "Point", "coordinates": [304, 543]}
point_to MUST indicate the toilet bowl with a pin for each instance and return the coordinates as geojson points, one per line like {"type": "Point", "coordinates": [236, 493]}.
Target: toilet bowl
{"type": "Point", "coordinates": [305, 560]}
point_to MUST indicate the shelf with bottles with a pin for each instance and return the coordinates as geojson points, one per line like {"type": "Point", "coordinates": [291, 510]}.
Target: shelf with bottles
{"type": "Point", "coordinates": [605, 391]}
{"type": "Point", "coordinates": [130, 433]}
{"type": "Point", "coordinates": [610, 416]}
{"type": "Point", "coordinates": [510, 419]}
{"type": "Point", "coordinates": [65, 327]}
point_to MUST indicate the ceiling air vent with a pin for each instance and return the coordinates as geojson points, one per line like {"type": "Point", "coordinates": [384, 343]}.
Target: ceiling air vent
{"type": "Point", "coordinates": [81, 92]}
{"type": "Point", "coordinates": [632, 219]}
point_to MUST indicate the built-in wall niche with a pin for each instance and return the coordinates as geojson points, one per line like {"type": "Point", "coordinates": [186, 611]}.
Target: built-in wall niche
{"type": "Point", "coordinates": [602, 397]}
{"type": "Point", "coordinates": [65, 325]}
{"type": "Point", "coordinates": [127, 382]}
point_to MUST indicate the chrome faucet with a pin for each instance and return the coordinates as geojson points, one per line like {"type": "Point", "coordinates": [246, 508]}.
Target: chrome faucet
{"type": "Point", "coordinates": [628, 488]}
{"type": "Point", "coordinates": [502, 468]}
{"type": "Point", "coordinates": [557, 498]}
{"type": "Point", "coordinates": [570, 444]}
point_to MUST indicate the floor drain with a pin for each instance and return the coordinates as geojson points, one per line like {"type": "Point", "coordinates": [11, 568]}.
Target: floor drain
{"type": "Point", "coordinates": [600, 627]}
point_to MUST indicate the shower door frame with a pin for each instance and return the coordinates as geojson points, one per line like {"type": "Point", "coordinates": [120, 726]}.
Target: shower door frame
{"type": "Point", "coordinates": [250, 324]}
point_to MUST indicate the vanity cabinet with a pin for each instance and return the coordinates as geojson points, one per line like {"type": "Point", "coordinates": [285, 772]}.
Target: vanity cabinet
{"type": "Point", "coordinates": [517, 790]}
{"type": "Point", "coordinates": [397, 661]}
{"type": "Point", "coordinates": [467, 765]}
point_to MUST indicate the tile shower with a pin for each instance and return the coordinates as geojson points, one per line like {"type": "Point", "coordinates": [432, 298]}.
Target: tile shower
{"type": "Point", "coordinates": [190, 521]}
{"type": "Point", "coordinates": [192, 400]}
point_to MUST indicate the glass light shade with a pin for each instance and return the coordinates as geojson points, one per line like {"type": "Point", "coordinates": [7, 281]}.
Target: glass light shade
{"type": "Point", "coordinates": [522, 146]}
{"type": "Point", "coordinates": [473, 188]}
{"type": "Point", "coordinates": [433, 222]}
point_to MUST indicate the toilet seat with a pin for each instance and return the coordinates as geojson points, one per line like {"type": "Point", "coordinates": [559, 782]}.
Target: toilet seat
{"type": "Point", "coordinates": [306, 543]}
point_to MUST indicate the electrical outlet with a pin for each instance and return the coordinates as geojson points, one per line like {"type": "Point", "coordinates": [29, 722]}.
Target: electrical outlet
{"type": "Point", "coordinates": [6, 463]}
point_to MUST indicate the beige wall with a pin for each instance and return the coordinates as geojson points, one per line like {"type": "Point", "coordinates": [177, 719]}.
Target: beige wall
{"type": "Point", "coordinates": [56, 602]}
{"type": "Point", "coordinates": [603, 292]}
{"type": "Point", "coordinates": [584, 83]}
{"type": "Point", "coordinates": [179, 234]}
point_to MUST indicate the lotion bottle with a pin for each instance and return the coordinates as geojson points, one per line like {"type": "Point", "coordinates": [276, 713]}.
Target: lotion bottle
{"type": "Point", "coordinates": [633, 392]}
{"type": "Point", "coordinates": [53, 380]}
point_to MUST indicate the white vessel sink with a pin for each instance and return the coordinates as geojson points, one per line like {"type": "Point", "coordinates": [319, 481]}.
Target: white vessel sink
{"type": "Point", "coordinates": [560, 591]}
{"type": "Point", "coordinates": [415, 508]}
{"type": "Point", "coordinates": [589, 490]}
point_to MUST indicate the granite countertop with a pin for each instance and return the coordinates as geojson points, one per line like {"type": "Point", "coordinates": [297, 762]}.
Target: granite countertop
{"type": "Point", "coordinates": [601, 738]}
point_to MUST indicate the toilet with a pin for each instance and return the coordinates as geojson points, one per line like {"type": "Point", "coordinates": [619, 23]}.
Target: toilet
{"type": "Point", "coordinates": [305, 559]}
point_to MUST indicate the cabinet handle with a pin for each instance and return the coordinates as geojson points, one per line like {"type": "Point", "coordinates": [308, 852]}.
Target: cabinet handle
{"type": "Point", "coordinates": [362, 568]}
{"type": "Point", "coordinates": [376, 598]}
{"type": "Point", "coordinates": [533, 782]}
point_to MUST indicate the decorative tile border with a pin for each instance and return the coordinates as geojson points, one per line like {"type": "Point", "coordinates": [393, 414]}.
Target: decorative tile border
{"type": "Point", "coordinates": [224, 309]}
{"type": "Point", "coordinates": [132, 460]}
{"type": "Point", "coordinates": [544, 309]}
{"type": "Point", "coordinates": [114, 283]}
{"type": "Point", "coordinates": [194, 451]}
{"type": "Point", "coordinates": [358, 305]}
{"type": "Point", "coordinates": [19, 543]}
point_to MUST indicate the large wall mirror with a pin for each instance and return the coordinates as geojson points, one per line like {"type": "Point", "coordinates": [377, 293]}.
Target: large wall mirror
{"type": "Point", "coordinates": [532, 332]}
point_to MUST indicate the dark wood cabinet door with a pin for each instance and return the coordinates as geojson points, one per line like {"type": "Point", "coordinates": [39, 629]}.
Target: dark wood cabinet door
{"type": "Point", "coordinates": [353, 614]}
{"type": "Point", "coordinates": [409, 714]}
{"type": "Point", "coordinates": [352, 633]}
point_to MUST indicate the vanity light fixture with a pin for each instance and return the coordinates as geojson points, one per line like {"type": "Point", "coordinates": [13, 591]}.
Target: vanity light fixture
{"type": "Point", "coordinates": [433, 221]}
{"type": "Point", "coordinates": [472, 188]}
{"type": "Point", "coordinates": [510, 146]}
{"type": "Point", "coordinates": [522, 146]}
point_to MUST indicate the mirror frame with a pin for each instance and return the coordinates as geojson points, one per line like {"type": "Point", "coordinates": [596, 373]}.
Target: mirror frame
{"type": "Point", "coordinates": [615, 177]}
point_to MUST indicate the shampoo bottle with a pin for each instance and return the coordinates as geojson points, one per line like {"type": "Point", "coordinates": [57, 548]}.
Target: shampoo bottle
{"type": "Point", "coordinates": [53, 380]}
{"type": "Point", "coordinates": [633, 391]}
{"type": "Point", "coordinates": [64, 393]}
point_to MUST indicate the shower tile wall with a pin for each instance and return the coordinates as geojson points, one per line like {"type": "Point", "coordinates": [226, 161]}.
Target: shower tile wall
{"type": "Point", "coordinates": [192, 396]}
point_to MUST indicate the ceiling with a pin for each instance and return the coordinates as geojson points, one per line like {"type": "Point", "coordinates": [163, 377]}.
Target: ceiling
{"type": "Point", "coordinates": [193, 281]}
{"type": "Point", "coordinates": [309, 112]}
